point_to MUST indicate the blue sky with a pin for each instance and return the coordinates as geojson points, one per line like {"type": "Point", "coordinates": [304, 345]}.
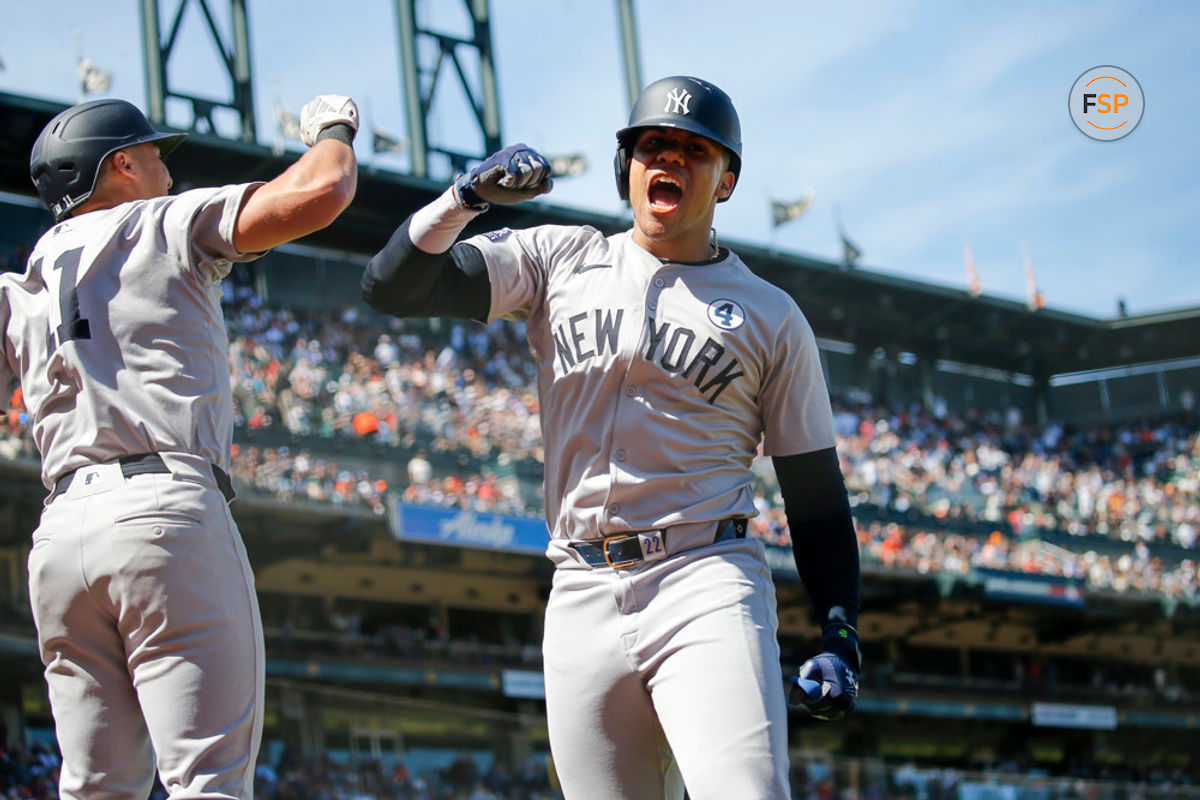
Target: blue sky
{"type": "Point", "coordinates": [921, 122]}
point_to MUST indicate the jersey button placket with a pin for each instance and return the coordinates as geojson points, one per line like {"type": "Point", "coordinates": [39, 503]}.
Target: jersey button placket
{"type": "Point", "coordinates": [633, 392]}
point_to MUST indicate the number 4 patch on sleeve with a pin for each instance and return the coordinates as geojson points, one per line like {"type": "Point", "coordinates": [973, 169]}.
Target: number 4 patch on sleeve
{"type": "Point", "coordinates": [726, 314]}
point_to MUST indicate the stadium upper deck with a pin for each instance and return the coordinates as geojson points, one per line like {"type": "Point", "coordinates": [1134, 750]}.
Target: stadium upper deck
{"type": "Point", "coordinates": [867, 309]}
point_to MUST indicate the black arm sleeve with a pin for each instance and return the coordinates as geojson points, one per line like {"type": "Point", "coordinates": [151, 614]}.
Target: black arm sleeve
{"type": "Point", "coordinates": [404, 280]}
{"type": "Point", "coordinates": [824, 543]}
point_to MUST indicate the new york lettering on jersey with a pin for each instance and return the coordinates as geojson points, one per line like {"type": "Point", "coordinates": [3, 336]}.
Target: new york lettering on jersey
{"type": "Point", "coordinates": [685, 336]}
{"type": "Point", "coordinates": [676, 348]}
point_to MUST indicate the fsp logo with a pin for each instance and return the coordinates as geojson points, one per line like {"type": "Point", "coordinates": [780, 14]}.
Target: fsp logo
{"type": "Point", "coordinates": [677, 102]}
{"type": "Point", "coordinates": [1106, 103]}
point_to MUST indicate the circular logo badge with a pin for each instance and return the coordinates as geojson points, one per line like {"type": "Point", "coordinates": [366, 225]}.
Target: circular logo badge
{"type": "Point", "coordinates": [1106, 103]}
{"type": "Point", "coordinates": [726, 314]}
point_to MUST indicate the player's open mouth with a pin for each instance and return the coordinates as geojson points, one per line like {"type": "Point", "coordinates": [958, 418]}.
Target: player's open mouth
{"type": "Point", "coordinates": [665, 194]}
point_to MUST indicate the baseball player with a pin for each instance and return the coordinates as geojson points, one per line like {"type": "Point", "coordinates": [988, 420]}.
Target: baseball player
{"type": "Point", "coordinates": [141, 591]}
{"type": "Point", "coordinates": [662, 363]}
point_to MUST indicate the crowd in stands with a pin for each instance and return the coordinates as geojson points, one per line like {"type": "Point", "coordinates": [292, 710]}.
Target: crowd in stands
{"type": "Point", "coordinates": [442, 386]}
{"type": "Point", "coordinates": [462, 779]}
{"type": "Point", "coordinates": [291, 476]}
{"type": "Point", "coordinates": [1132, 483]}
{"type": "Point", "coordinates": [446, 387]}
{"type": "Point", "coordinates": [27, 772]}
{"type": "Point", "coordinates": [31, 773]}
{"type": "Point", "coordinates": [932, 491]}
{"type": "Point", "coordinates": [949, 494]}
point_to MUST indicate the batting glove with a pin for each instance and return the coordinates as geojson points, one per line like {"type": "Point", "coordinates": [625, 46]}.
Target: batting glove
{"type": "Point", "coordinates": [513, 175]}
{"type": "Point", "coordinates": [326, 110]}
{"type": "Point", "coordinates": [827, 684]}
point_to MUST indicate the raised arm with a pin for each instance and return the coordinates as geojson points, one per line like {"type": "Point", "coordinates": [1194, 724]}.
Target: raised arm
{"type": "Point", "coordinates": [311, 193]}
{"type": "Point", "coordinates": [420, 272]}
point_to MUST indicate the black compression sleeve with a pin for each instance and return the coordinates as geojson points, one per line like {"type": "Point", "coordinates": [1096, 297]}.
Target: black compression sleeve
{"type": "Point", "coordinates": [404, 280]}
{"type": "Point", "coordinates": [824, 543]}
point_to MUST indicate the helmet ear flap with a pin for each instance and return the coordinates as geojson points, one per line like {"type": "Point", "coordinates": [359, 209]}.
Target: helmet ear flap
{"type": "Point", "coordinates": [621, 169]}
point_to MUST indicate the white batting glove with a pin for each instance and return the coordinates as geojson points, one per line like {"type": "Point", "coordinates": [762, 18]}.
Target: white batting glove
{"type": "Point", "coordinates": [325, 110]}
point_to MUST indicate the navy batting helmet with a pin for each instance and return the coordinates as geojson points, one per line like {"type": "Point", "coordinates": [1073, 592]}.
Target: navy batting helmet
{"type": "Point", "coordinates": [68, 152]}
{"type": "Point", "coordinates": [682, 102]}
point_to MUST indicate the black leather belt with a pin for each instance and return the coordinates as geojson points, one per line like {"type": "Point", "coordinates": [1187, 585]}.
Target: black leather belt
{"type": "Point", "coordinates": [146, 464]}
{"type": "Point", "coordinates": [626, 550]}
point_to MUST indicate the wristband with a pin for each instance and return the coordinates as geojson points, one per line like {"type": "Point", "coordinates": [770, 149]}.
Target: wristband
{"type": "Point", "coordinates": [842, 639]}
{"type": "Point", "coordinates": [466, 196]}
{"type": "Point", "coordinates": [338, 130]}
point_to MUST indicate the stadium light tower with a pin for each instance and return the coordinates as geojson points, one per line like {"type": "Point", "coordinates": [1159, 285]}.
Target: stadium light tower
{"type": "Point", "coordinates": [234, 56]}
{"type": "Point", "coordinates": [423, 85]}
{"type": "Point", "coordinates": [629, 50]}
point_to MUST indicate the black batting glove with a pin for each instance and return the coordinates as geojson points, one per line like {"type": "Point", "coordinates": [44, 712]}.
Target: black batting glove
{"type": "Point", "coordinates": [827, 684]}
{"type": "Point", "coordinates": [512, 175]}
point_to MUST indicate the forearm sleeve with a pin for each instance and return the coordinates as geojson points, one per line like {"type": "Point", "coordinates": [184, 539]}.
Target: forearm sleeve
{"type": "Point", "coordinates": [824, 543]}
{"type": "Point", "coordinates": [419, 274]}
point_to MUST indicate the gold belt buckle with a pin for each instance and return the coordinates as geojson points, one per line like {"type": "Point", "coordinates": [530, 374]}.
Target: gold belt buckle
{"type": "Point", "coordinates": [608, 558]}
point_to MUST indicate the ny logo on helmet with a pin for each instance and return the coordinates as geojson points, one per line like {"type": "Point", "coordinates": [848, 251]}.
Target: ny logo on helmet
{"type": "Point", "coordinates": [677, 102]}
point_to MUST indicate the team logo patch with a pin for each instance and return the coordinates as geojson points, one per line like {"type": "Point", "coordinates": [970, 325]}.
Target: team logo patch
{"type": "Point", "coordinates": [726, 314]}
{"type": "Point", "coordinates": [92, 480]}
{"type": "Point", "coordinates": [677, 102]}
{"type": "Point", "coordinates": [498, 236]}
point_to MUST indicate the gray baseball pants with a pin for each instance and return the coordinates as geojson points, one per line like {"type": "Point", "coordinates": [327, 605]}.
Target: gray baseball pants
{"type": "Point", "coordinates": [150, 633]}
{"type": "Point", "coordinates": [677, 657]}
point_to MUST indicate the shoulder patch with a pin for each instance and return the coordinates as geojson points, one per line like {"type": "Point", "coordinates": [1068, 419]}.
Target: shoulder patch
{"type": "Point", "coordinates": [726, 314]}
{"type": "Point", "coordinates": [498, 236]}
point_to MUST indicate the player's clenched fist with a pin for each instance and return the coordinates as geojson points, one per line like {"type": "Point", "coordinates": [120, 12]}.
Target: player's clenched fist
{"type": "Point", "coordinates": [827, 684]}
{"type": "Point", "coordinates": [513, 175]}
{"type": "Point", "coordinates": [324, 111]}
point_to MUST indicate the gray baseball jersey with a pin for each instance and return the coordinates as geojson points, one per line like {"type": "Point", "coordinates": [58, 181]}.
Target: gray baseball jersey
{"type": "Point", "coordinates": [657, 381]}
{"type": "Point", "coordinates": [117, 333]}
{"type": "Point", "coordinates": [142, 594]}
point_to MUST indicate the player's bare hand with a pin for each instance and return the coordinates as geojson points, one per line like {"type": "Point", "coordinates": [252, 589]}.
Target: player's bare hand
{"type": "Point", "coordinates": [325, 110]}
{"type": "Point", "coordinates": [513, 175]}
